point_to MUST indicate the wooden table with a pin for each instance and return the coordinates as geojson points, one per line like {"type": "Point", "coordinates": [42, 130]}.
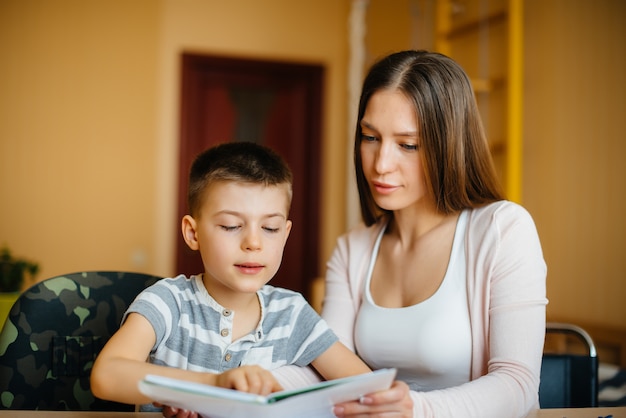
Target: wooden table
{"type": "Point", "coordinates": [543, 413]}
{"type": "Point", "coordinates": [77, 414]}
{"type": "Point", "coordinates": [619, 412]}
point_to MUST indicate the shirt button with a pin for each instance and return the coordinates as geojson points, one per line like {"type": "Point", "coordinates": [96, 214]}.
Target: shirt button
{"type": "Point", "coordinates": [224, 332]}
{"type": "Point", "coordinates": [226, 312]}
{"type": "Point", "coordinates": [228, 356]}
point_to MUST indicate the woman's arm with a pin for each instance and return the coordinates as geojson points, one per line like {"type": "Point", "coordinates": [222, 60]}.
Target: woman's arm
{"type": "Point", "coordinates": [338, 362]}
{"type": "Point", "coordinates": [339, 311]}
{"type": "Point", "coordinates": [345, 273]}
{"type": "Point", "coordinates": [294, 377]}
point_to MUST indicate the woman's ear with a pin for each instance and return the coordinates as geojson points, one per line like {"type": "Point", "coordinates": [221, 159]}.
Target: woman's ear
{"type": "Point", "coordinates": [188, 226]}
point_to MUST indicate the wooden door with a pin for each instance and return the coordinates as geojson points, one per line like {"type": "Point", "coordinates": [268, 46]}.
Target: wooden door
{"type": "Point", "coordinates": [277, 104]}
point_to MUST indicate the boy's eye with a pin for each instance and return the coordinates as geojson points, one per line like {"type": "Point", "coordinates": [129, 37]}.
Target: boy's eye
{"type": "Point", "coordinates": [229, 227]}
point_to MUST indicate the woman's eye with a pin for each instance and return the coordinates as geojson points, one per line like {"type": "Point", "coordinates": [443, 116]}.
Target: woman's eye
{"type": "Point", "coordinates": [368, 138]}
{"type": "Point", "coordinates": [410, 147]}
{"type": "Point", "coordinates": [272, 230]}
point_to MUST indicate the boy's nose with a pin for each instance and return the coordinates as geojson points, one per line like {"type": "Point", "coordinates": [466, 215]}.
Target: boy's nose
{"type": "Point", "coordinates": [251, 242]}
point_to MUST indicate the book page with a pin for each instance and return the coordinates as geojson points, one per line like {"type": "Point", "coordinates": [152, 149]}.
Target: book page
{"type": "Point", "coordinates": [313, 401]}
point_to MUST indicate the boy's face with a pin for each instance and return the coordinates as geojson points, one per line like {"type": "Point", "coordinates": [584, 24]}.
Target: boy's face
{"type": "Point", "coordinates": [240, 231]}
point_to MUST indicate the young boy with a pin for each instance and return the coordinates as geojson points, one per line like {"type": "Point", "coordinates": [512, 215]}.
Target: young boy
{"type": "Point", "coordinates": [225, 327]}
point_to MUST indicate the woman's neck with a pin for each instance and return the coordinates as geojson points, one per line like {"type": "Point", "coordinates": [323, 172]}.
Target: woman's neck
{"type": "Point", "coordinates": [411, 224]}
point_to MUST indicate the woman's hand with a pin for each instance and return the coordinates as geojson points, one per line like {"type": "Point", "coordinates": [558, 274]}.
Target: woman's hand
{"type": "Point", "coordinates": [394, 402]}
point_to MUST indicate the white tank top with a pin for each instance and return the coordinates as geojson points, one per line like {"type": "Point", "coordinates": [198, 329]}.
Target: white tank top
{"type": "Point", "coordinates": [430, 342]}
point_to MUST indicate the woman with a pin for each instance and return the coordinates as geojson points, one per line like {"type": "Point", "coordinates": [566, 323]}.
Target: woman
{"type": "Point", "coordinates": [445, 280]}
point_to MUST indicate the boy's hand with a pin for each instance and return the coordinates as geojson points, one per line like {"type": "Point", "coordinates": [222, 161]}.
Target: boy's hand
{"type": "Point", "coordinates": [171, 412]}
{"type": "Point", "coordinates": [251, 379]}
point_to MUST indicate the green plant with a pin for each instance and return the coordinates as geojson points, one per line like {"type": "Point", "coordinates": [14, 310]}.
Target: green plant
{"type": "Point", "coordinates": [13, 271]}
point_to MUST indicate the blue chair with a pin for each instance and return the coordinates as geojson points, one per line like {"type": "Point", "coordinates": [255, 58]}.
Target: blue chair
{"type": "Point", "coordinates": [569, 379]}
{"type": "Point", "coordinates": [53, 334]}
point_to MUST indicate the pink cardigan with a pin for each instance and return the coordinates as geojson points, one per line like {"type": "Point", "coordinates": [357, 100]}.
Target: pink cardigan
{"type": "Point", "coordinates": [506, 289]}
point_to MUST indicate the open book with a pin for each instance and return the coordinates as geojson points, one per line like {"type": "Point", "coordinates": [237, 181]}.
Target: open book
{"type": "Point", "coordinates": [312, 401]}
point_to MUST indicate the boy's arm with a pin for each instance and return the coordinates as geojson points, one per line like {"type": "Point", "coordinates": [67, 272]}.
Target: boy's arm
{"type": "Point", "coordinates": [338, 361]}
{"type": "Point", "coordinates": [122, 364]}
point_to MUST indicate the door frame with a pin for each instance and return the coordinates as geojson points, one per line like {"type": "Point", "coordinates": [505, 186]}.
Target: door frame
{"type": "Point", "coordinates": [196, 70]}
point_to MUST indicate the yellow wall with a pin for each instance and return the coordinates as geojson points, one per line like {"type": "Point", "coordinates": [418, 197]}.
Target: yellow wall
{"type": "Point", "coordinates": [574, 147]}
{"type": "Point", "coordinates": [77, 132]}
{"type": "Point", "coordinates": [89, 127]}
{"type": "Point", "coordinates": [89, 118]}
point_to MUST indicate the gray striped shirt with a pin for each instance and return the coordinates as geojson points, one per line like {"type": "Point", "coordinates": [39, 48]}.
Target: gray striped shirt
{"type": "Point", "coordinates": [193, 331]}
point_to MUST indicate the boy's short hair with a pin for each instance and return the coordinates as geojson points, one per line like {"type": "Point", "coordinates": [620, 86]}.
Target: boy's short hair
{"type": "Point", "coordinates": [245, 162]}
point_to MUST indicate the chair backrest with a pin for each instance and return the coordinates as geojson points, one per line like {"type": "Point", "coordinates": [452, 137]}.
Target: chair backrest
{"type": "Point", "coordinates": [569, 379]}
{"type": "Point", "coordinates": [53, 333]}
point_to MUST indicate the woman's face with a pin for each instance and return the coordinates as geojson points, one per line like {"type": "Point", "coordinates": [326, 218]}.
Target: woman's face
{"type": "Point", "coordinates": [390, 148]}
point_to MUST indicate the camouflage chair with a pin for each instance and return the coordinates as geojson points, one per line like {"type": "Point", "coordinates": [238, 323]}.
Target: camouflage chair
{"type": "Point", "coordinates": [52, 335]}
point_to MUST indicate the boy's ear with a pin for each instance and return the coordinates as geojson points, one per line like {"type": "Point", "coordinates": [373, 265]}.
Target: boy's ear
{"type": "Point", "coordinates": [188, 226]}
{"type": "Point", "coordinates": [288, 229]}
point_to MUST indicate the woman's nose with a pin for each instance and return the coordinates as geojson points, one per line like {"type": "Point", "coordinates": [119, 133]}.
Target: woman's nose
{"type": "Point", "coordinates": [384, 159]}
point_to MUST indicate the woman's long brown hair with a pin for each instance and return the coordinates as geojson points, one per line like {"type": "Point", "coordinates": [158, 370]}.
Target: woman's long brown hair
{"type": "Point", "coordinates": [458, 166]}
